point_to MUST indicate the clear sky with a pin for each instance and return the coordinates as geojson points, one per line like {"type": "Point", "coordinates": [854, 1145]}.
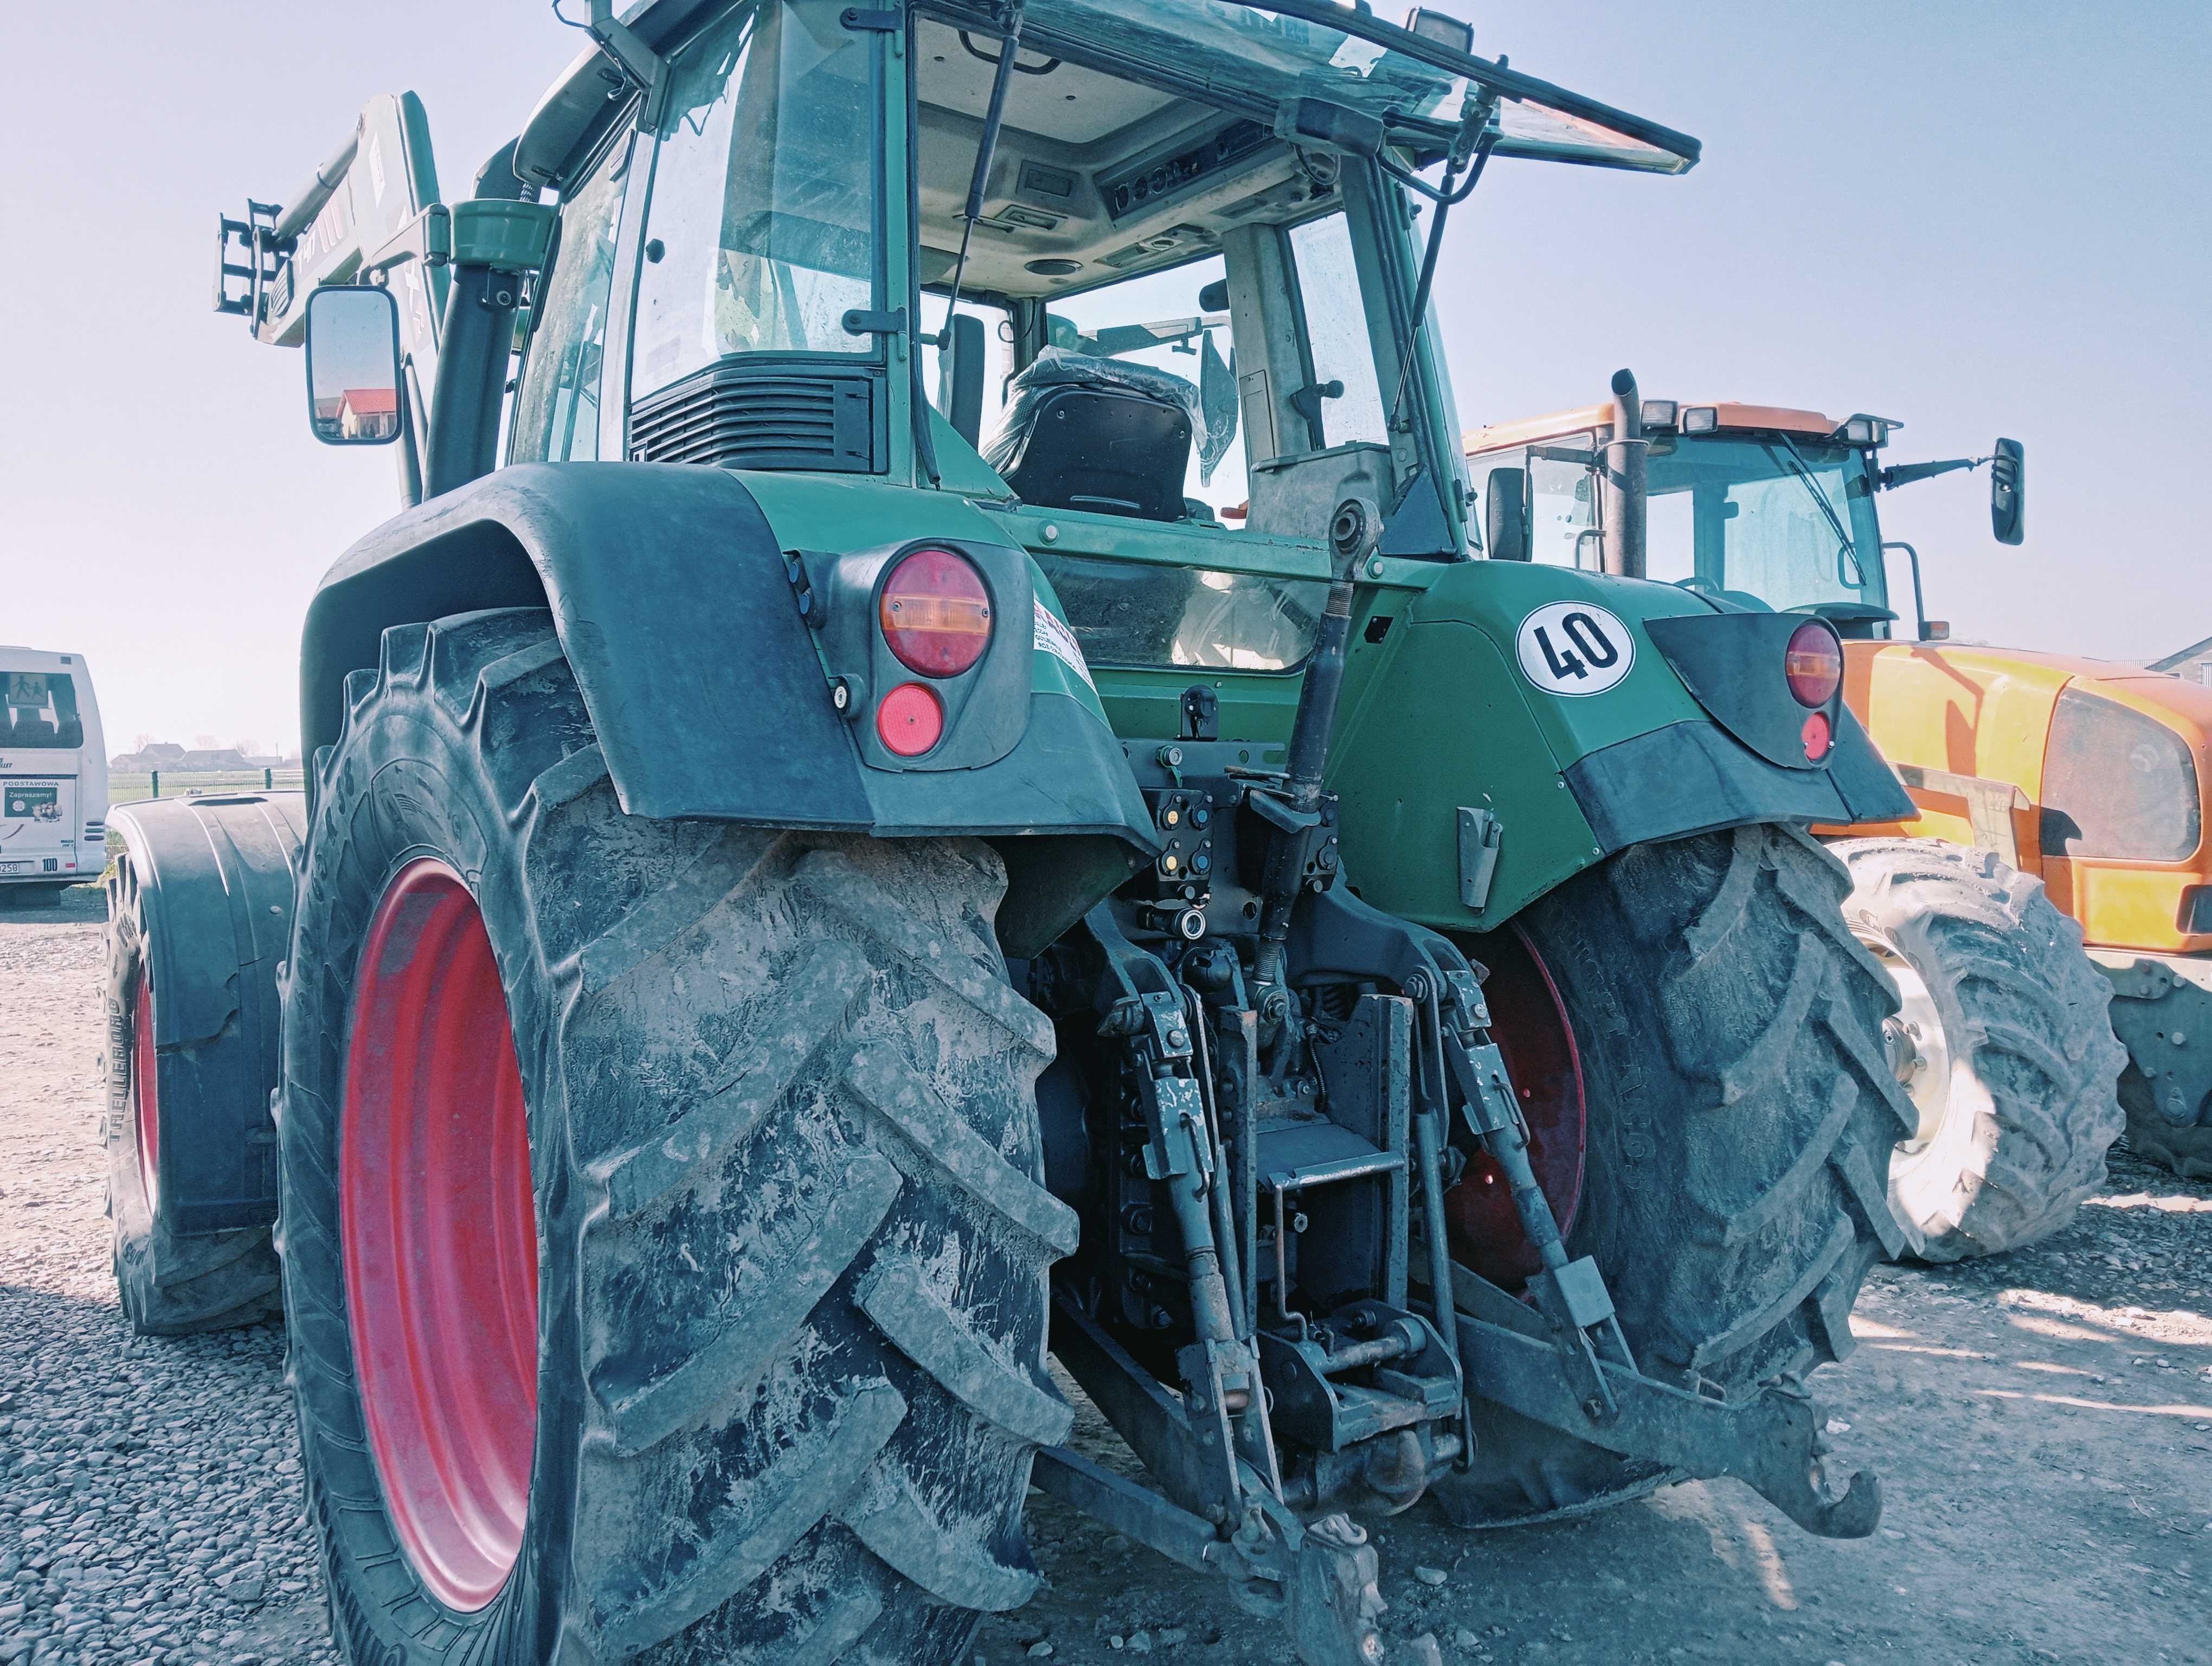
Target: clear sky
{"type": "Point", "coordinates": [1978, 219]}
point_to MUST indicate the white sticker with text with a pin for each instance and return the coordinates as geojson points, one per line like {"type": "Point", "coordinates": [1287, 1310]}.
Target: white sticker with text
{"type": "Point", "coordinates": [1574, 647]}
{"type": "Point", "coordinates": [1056, 639]}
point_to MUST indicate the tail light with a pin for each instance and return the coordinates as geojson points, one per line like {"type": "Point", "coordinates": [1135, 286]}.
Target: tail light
{"type": "Point", "coordinates": [910, 720]}
{"type": "Point", "coordinates": [936, 616]}
{"type": "Point", "coordinates": [1813, 664]}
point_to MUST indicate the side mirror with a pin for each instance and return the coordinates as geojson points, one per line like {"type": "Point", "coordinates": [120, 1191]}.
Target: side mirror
{"type": "Point", "coordinates": [1506, 514]}
{"type": "Point", "coordinates": [353, 366]}
{"type": "Point", "coordinates": [965, 394]}
{"type": "Point", "coordinates": [2008, 491]}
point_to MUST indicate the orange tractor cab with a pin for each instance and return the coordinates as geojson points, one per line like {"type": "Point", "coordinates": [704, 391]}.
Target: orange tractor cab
{"type": "Point", "coordinates": [2091, 777]}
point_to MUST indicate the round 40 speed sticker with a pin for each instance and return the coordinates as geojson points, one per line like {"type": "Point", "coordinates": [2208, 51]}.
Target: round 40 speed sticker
{"type": "Point", "coordinates": [1574, 647]}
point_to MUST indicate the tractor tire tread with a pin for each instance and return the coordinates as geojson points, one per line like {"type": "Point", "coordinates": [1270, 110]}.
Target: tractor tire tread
{"type": "Point", "coordinates": [797, 1092]}
{"type": "Point", "coordinates": [2024, 1013]}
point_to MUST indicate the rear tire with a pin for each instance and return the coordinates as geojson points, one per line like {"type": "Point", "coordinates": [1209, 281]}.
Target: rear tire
{"type": "Point", "coordinates": [1740, 1115]}
{"type": "Point", "coordinates": [791, 1249]}
{"type": "Point", "coordinates": [2186, 1151]}
{"type": "Point", "coordinates": [2015, 1090]}
{"type": "Point", "coordinates": [170, 1284]}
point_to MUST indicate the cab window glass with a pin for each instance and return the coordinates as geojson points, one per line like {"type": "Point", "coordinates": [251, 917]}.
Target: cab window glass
{"type": "Point", "coordinates": [998, 359]}
{"type": "Point", "coordinates": [1670, 537]}
{"type": "Point", "coordinates": [762, 233]}
{"type": "Point", "coordinates": [1136, 614]}
{"type": "Point", "coordinates": [1155, 322]}
{"type": "Point", "coordinates": [1336, 331]}
{"type": "Point", "coordinates": [1563, 507]}
{"type": "Point", "coordinates": [556, 416]}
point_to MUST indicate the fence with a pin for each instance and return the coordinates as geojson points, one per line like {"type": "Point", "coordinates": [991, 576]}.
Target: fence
{"type": "Point", "coordinates": [182, 783]}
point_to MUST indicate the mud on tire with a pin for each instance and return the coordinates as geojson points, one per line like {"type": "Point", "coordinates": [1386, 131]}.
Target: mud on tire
{"type": "Point", "coordinates": [2028, 1104]}
{"type": "Point", "coordinates": [171, 1284]}
{"type": "Point", "coordinates": [792, 1252]}
{"type": "Point", "coordinates": [1741, 1113]}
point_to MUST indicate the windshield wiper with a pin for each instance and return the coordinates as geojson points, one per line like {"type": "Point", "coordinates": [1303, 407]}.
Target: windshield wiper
{"type": "Point", "coordinates": [1804, 473]}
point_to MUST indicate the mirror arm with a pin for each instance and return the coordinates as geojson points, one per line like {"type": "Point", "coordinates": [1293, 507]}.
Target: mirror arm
{"type": "Point", "coordinates": [1903, 474]}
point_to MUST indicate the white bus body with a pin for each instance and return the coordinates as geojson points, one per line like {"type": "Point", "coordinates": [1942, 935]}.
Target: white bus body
{"type": "Point", "coordinates": [53, 771]}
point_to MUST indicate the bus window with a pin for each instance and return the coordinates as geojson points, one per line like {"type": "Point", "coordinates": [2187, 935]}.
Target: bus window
{"type": "Point", "coordinates": [42, 714]}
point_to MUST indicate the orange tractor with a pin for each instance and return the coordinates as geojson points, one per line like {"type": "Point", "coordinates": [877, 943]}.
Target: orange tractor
{"type": "Point", "coordinates": [2062, 801]}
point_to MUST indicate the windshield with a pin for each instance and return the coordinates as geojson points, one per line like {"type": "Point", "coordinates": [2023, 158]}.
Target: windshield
{"type": "Point", "coordinates": [1790, 524]}
{"type": "Point", "coordinates": [1243, 54]}
{"type": "Point", "coordinates": [762, 231]}
{"type": "Point", "coordinates": [41, 714]}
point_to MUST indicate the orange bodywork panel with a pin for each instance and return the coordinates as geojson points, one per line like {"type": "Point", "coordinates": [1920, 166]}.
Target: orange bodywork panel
{"type": "Point", "coordinates": [1986, 714]}
{"type": "Point", "coordinates": [1729, 415]}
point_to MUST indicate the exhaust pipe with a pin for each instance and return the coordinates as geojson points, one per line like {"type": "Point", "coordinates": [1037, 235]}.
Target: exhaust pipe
{"type": "Point", "coordinates": [1622, 494]}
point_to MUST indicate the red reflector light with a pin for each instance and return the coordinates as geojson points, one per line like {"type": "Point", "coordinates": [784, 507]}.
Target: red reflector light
{"type": "Point", "coordinates": [1818, 736]}
{"type": "Point", "coordinates": [910, 720]}
{"type": "Point", "coordinates": [936, 614]}
{"type": "Point", "coordinates": [1813, 664]}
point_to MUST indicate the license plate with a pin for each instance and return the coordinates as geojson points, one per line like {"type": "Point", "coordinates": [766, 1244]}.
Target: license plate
{"type": "Point", "coordinates": [15, 867]}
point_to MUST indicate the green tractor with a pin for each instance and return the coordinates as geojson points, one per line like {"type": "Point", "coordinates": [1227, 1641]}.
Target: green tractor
{"type": "Point", "coordinates": [801, 909]}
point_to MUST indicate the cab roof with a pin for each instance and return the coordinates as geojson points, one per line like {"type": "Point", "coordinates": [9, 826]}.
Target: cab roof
{"type": "Point", "coordinates": [1732, 415]}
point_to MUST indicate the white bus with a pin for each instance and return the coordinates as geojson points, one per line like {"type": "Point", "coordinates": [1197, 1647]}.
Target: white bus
{"type": "Point", "coordinates": [53, 776]}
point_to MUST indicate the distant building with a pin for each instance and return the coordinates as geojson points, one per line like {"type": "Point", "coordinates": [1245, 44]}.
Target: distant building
{"type": "Point", "coordinates": [166, 755]}
{"type": "Point", "coordinates": [368, 413]}
{"type": "Point", "coordinates": [2193, 664]}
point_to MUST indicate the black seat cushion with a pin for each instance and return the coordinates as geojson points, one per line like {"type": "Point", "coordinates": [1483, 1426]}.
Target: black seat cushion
{"type": "Point", "coordinates": [1086, 433]}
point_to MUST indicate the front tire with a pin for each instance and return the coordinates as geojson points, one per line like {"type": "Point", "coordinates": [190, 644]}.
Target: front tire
{"type": "Point", "coordinates": [782, 1366]}
{"type": "Point", "coordinates": [1723, 1053]}
{"type": "Point", "coordinates": [2003, 1043]}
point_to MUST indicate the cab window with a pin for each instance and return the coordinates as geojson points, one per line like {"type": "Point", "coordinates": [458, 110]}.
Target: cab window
{"type": "Point", "coordinates": [762, 231]}
{"type": "Point", "coordinates": [557, 416]}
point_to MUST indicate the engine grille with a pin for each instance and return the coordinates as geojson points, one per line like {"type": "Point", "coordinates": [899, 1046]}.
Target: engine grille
{"type": "Point", "coordinates": [752, 415]}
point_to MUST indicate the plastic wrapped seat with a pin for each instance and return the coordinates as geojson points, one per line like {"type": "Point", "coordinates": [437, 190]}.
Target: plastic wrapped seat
{"type": "Point", "coordinates": [1096, 434]}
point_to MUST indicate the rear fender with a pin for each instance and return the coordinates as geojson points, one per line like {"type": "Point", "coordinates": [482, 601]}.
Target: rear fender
{"type": "Point", "coordinates": [202, 894]}
{"type": "Point", "coordinates": [710, 696]}
{"type": "Point", "coordinates": [1451, 719]}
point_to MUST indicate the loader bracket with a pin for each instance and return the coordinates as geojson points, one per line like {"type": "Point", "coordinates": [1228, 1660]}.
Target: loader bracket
{"type": "Point", "coordinates": [248, 254]}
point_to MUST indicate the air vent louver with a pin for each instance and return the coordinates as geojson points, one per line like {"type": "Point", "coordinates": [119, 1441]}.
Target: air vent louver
{"type": "Point", "coordinates": [752, 415]}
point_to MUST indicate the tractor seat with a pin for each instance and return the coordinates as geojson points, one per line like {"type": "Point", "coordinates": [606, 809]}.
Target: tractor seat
{"type": "Point", "coordinates": [1102, 435]}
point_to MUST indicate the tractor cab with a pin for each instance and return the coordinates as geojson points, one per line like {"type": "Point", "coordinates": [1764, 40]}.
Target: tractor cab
{"type": "Point", "coordinates": [1763, 506]}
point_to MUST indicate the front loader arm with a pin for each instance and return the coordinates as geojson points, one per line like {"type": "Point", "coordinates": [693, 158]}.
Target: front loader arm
{"type": "Point", "coordinates": [371, 216]}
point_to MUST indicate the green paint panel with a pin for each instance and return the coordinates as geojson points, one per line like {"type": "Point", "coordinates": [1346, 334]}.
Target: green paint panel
{"type": "Point", "coordinates": [1438, 715]}
{"type": "Point", "coordinates": [1258, 706]}
{"type": "Point", "coordinates": [841, 512]}
{"type": "Point", "coordinates": [1437, 712]}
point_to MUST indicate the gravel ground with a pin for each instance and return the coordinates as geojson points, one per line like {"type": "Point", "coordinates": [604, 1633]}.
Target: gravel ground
{"type": "Point", "coordinates": [2042, 1424]}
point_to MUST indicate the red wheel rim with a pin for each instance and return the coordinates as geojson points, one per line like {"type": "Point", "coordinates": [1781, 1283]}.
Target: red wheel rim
{"type": "Point", "coordinates": [1530, 1024]}
{"type": "Point", "coordinates": [145, 1092]}
{"type": "Point", "coordinates": [439, 1236]}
